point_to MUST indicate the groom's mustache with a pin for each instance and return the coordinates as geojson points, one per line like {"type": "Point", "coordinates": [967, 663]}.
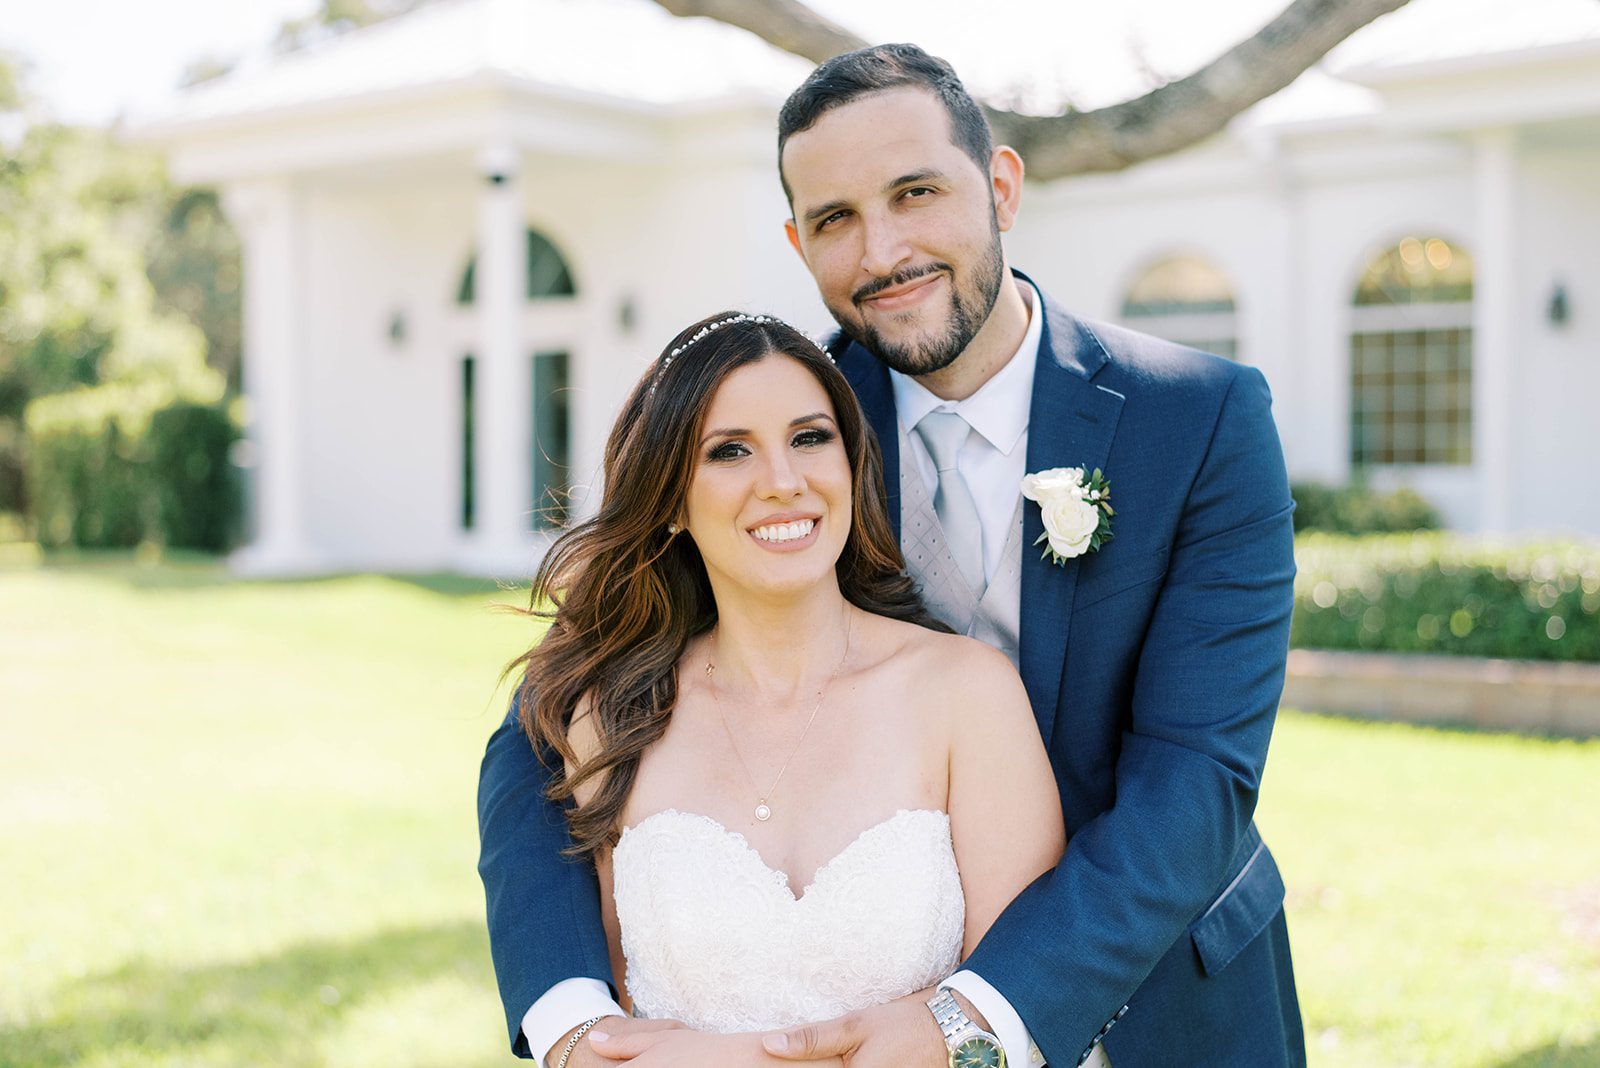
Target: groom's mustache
{"type": "Point", "coordinates": [899, 278]}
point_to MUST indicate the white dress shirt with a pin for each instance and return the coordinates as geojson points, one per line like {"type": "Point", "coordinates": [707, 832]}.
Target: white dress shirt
{"type": "Point", "coordinates": [993, 462]}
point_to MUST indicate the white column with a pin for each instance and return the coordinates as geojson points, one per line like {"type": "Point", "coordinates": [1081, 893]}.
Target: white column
{"type": "Point", "coordinates": [502, 446]}
{"type": "Point", "coordinates": [1494, 324]}
{"type": "Point", "coordinates": [267, 215]}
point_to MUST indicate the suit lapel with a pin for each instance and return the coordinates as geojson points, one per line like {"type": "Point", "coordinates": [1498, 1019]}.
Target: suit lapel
{"type": "Point", "coordinates": [1070, 424]}
{"type": "Point", "coordinates": [870, 379]}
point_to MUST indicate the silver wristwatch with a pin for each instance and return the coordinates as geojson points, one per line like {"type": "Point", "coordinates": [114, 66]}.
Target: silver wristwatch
{"type": "Point", "coordinates": [970, 1045]}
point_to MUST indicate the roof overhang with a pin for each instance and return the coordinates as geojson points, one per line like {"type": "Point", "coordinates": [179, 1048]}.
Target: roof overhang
{"type": "Point", "coordinates": [1525, 87]}
{"type": "Point", "coordinates": [441, 119]}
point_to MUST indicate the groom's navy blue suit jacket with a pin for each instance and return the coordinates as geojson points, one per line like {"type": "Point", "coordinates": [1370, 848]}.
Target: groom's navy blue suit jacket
{"type": "Point", "coordinates": [1154, 667]}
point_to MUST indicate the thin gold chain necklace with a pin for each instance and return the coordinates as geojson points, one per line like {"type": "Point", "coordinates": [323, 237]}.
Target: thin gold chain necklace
{"type": "Point", "coordinates": [763, 810]}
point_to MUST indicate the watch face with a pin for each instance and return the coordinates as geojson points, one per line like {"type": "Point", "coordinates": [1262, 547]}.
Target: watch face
{"type": "Point", "coordinates": [977, 1053]}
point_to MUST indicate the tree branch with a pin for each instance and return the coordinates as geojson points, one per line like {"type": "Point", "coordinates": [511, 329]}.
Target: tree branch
{"type": "Point", "coordinates": [1161, 121]}
{"type": "Point", "coordinates": [786, 24]}
{"type": "Point", "coordinates": [1183, 112]}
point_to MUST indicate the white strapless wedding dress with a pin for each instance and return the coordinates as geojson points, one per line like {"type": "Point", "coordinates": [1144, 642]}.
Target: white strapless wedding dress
{"type": "Point", "coordinates": [717, 939]}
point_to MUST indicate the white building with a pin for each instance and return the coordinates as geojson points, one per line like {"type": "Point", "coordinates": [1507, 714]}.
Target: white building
{"type": "Point", "coordinates": [467, 231]}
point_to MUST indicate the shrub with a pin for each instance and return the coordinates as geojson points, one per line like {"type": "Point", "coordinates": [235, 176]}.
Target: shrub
{"type": "Point", "coordinates": [116, 465]}
{"type": "Point", "coordinates": [12, 497]}
{"type": "Point", "coordinates": [1360, 509]}
{"type": "Point", "coordinates": [197, 492]}
{"type": "Point", "coordinates": [83, 476]}
{"type": "Point", "coordinates": [1442, 593]}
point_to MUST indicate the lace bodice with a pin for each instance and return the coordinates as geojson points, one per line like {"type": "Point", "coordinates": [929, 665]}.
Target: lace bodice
{"type": "Point", "coordinates": [717, 939]}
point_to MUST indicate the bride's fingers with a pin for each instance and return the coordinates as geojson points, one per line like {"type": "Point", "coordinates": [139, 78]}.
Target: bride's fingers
{"type": "Point", "coordinates": [835, 1038]}
{"type": "Point", "coordinates": [629, 1025]}
{"type": "Point", "coordinates": [637, 1040]}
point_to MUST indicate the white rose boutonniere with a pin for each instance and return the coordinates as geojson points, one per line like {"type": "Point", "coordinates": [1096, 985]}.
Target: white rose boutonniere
{"type": "Point", "coordinates": [1076, 510]}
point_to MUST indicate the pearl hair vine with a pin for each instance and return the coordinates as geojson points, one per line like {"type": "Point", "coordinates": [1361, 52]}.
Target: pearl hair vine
{"type": "Point", "coordinates": [707, 330]}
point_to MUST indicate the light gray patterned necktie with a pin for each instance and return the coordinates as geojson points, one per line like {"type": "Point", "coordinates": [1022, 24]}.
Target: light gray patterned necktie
{"type": "Point", "coordinates": [944, 433]}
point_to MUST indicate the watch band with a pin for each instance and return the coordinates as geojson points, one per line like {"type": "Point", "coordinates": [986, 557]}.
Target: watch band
{"type": "Point", "coordinates": [954, 1023]}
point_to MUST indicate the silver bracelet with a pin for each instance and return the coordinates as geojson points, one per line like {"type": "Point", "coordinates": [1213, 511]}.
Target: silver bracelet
{"type": "Point", "coordinates": [572, 1043]}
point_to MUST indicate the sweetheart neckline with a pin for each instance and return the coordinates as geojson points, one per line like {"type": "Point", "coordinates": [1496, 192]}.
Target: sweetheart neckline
{"type": "Point", "coordinates": [739, 839]}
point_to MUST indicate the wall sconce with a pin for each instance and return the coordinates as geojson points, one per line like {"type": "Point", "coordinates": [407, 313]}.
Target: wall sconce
{"type": "Point", "coordinates": [397, 329]}
{"type": "Point", "coordinates": [627, 315]}
{"type": "Point", "coordinates": [1557, 310]}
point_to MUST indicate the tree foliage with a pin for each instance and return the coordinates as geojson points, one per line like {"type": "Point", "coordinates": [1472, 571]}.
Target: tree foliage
{"type": "Point", "coordinates": [193, 263]}
{"type": "Point", "coordinates": [204, 69]}
{"type": "Point", "coordinates": [10, 82]}
{"type": "Point", "coordinates": [105, 269]}
{"type": "Point", "coordinates": [333, 17]}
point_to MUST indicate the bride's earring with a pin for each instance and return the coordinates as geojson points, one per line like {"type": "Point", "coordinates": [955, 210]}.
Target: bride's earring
{"type": "Point", "coordinates": [673, 528]}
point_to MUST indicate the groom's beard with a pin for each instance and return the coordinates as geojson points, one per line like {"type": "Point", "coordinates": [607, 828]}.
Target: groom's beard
{"type": "Point", "coordinates": [970, 306]}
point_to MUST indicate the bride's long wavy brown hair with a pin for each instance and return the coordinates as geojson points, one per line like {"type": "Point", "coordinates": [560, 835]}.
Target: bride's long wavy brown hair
{"type": "Point", "coordinates": [624, 595]}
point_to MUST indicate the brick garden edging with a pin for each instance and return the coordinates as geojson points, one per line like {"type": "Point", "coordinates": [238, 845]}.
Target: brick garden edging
{"type": "Point", "coordinates": [1513, 695]}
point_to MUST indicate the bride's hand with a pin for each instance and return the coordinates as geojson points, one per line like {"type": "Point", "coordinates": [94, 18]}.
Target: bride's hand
{"type": "Point", "coordinates": [583, 1056]}
{"type": "Point", "coordinates": [691, 1049]}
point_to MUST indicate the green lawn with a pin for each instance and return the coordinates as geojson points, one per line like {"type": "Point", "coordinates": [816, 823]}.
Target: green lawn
{"type": "Point", "coordinates": [237, 829]}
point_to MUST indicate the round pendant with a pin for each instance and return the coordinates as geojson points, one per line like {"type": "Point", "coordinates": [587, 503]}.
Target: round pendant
{"type": "Point", "coordinates": [763, 813]}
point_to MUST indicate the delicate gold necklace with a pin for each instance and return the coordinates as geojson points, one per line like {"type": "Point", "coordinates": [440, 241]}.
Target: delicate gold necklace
{"type": "Point", "coordinates": [763, 809]}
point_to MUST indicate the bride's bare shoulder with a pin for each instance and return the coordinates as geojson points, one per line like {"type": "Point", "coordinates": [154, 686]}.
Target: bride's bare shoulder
{"type": "Point", "coordinates": [953, 667]}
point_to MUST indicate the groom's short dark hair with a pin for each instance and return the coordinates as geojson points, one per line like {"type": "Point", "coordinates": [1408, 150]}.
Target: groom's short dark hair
{"type": "Point", "coordinates": [845, 78]}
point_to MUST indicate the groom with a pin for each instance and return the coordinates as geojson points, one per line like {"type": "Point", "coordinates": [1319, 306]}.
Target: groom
{"type": "Point", "coordinates": [1154, 662]}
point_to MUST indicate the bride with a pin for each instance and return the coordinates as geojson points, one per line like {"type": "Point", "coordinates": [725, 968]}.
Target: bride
{"type": "Point", "coordinates": [802, 796]}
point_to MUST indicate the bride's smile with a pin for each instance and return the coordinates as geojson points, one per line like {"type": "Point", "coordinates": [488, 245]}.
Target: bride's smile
{"type": "Point", "coordinates": [784, 533]}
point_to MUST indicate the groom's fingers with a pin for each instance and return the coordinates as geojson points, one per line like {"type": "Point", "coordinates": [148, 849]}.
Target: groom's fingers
{"type": "Point", "coordinates": [835, 1038]}
{"type": "Point", "coordinates": [623, 1040]}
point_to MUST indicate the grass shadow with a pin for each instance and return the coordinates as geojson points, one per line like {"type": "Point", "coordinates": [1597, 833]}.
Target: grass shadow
{"type": "Point", "coordinates": [194, 570]}
{"type": "Point", "coordinates": [1552, 1055]}
{"type": "Point", "coordinates": [450, 584]}
{"type": "Point", "coordinates": [1445, 726]}
{"type": "Point", "coordinates": [268, 1010]}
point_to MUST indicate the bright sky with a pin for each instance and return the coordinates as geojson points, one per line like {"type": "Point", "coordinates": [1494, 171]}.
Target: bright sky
{"type": "Point", "coordinates": [91, 59]}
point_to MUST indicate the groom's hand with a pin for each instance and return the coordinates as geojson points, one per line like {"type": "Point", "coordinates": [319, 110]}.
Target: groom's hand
{"type": "Point", "coordinates": [901, 1034]}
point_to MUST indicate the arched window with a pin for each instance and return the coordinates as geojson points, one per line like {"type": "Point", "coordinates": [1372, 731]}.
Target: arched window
{"type": "Point", "coordinates": [1411, 356]}
{"type": "Point", "coordinates": [548, 274]}
{"type": "Point", "coordinates": [1185, 299]}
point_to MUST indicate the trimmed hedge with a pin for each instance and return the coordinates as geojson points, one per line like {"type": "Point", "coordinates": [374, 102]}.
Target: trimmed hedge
{"type": "Point", "coordinates": [1443, 593]}
{"type": "Point", "coordinates": [1359, 509]}
{"type": "Point", "coordinates": [113, 466]}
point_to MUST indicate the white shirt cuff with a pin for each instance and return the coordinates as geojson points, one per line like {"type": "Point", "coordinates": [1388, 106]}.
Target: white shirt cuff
{"type": "Point", "coordinates": [563, 1007]}
{"type": "Point", "coordinates": [1004, 1022]}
